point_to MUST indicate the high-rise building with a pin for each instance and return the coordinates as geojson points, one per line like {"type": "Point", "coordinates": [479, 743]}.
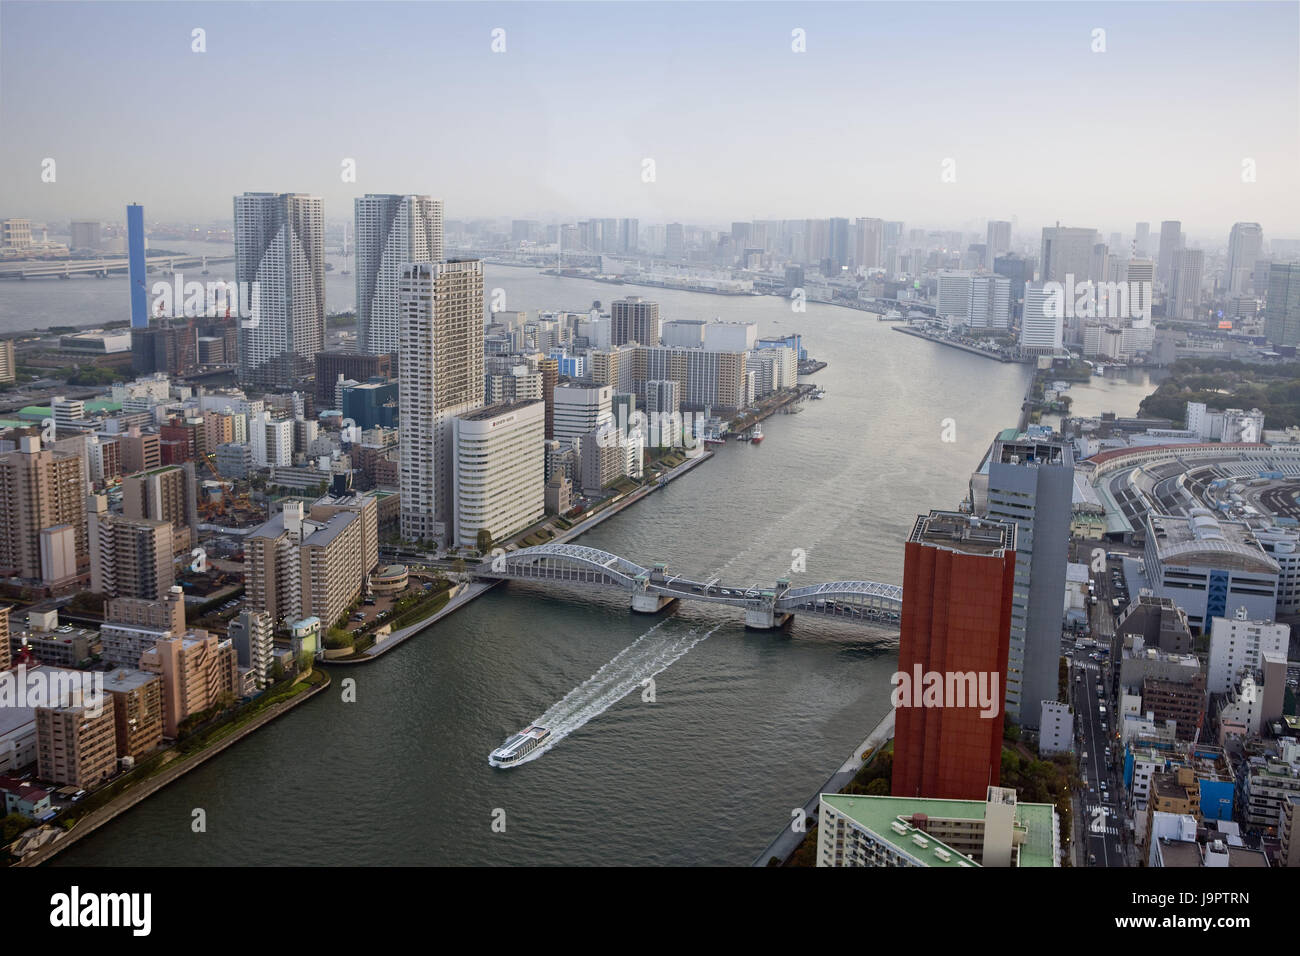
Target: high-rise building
{"type": "Point", "coordinates": [39, 490]}
{"type": "Point", "coordinates": [1042, 329]}
{"type": "Point", "coordinates": [1142, 240]}
{"type": "Point", "coordinates": [1067, 252]}
{"type": "Point", "coordinates": [76, 742]}
{"type": "Point", "coordinates": [990, 302]}
{"type": "Point", "coordinates": [1031, 484]}
{"type": "Point", "coordinates": [1185, 284]}
{"type": "Point", "coordinates": [958, 575]}
{"type": "Point", "coordinates": [579, 411]}
{"type": "Point", "coordinates": [298, 567]}
{"type": "Point", "coordinates": [1238, 645]}
{"type": "Point", "coordinates": [1018, 270]}
{"type": "Point", "coordinates": [629, 239]}
{"type": "Point", "coordinates": [1282, 308]}
{"type": "Point", "coordinates": [550, 372]}
{"type": "Point", "coordinates": [8, 364]}
{"type": "Point", "coordinates": [1171, 240]}
{"type": "Point", "coordinates": [441, 376]}
{"type": "Point", "coordinates": [5, 655]}
{"type": "Point", "coordinates": [130, 557]}
{"type": "Point", "coordinates": [954, 291]}
{"type": "Point", "coordinates": [198, 670]}
{"type": "Point", "coordinates": [500, 463]}
{"type": "Point", "coordinates": [634, 320]}
{"type": "Point", "coordinates": [998, 241]}
{"type": "Point", "coordinates": [166, 494]}
{"type": "Point", "coordinates": [136, 266]}
{"type": "Point", "coordinates": [675, 246]}
{"type": "Point", "coordinates": [391, 231]}
{"type": "Point", "coordinates": [280, 246]}
{"type": "Point", "coordinates": [137, 710]}
{"type": "Point", "coordinates": [868, 238]}
{"type": "Point", "coordinates": [1245, 242]}
{"type": "Point", "coordinates": [253, 635]}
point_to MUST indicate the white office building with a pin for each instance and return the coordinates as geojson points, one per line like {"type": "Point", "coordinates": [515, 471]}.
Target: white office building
{"type": "Point", "coordinates": [954, 292]}
{"type": "Point", "coordinates": [989, 306]}
{"type": "Point", "coordinates": [1042, 328]}
{"type": "Point", "coordinates": [1239, 644]}
{"type": "Point", "coordinates": [500, 464]}
{"type": "Point", "coordinates": [441, 367]}
{"type": "Point", "coordinates": [391, 231]}
{"type": "Point", "coordinates": [579, 411]}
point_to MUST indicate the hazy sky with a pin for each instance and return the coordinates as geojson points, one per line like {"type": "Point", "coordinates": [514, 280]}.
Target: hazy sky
{"type": "Point", "coordinates": [738, 125]}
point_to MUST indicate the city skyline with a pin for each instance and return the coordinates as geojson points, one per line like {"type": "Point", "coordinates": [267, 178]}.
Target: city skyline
{"type": "Point", "coordinates": [741, 126]}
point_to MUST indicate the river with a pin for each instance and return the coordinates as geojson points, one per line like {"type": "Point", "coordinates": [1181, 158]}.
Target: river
{"type": "Point", "coordinates": [743, 726]}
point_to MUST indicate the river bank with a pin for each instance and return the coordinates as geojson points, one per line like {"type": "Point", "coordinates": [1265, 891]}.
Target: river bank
{"type": "Point", "coordinates": [177, 769]}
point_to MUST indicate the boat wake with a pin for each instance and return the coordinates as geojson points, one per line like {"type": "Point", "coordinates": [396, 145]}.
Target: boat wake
{"type": "Point", "coordinates": [649, 655]}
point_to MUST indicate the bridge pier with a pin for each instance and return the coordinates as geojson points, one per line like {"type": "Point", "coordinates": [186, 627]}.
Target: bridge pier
{"type": "Point", "coordinates": [766, 618]}
{"type": "Point", "coordinates": [647, 602]}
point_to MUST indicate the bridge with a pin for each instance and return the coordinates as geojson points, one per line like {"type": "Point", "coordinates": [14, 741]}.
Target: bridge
{"type": "Point", "coordinates": [66, 268]}
{"type": "Point", "coordinates": [652, 589]}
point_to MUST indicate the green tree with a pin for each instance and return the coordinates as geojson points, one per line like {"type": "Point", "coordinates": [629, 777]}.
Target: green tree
{"type": "Point", "coordinates": [484, 541]}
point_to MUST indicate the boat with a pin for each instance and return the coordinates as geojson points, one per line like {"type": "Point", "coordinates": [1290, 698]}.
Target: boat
{"type": "Point", "coordinates": [519, 746]}
{"type": "Point", "coordinates": [714, 440]}
{"type": "Point", "coordinates": [819, 393]}
{"type": "Point", "coordinates": [756, 433]}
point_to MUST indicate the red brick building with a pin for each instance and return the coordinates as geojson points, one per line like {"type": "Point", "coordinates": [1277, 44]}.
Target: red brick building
{"type": "Point", "coordinates": [952, 657]}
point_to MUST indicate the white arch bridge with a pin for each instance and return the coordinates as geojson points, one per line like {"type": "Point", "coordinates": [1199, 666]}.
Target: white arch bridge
{"type": "Point", "coordinates": [652, 589]}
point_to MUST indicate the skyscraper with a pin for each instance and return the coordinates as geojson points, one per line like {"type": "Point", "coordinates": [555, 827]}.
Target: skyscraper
{"type": "Point", "coordinates": [1282, 311]}
{"type": "Point", "coordinates": [990, 302]}
{"type": "Point", "coordinates": [1142, 240]}
{"type": "Point", "coordinates": [136, 266]}
{"type": "Point", "coordinates": [634, 320]}
{"type": "Point", "coordinates": [1031, 484]}
{"type": "Point", "coordinates": [40, 490]}
{"type": "Point", "coordinates": [279, 245]}
{"type": "Point", "coordinates": [440, 358]}
{"type": "Point", "coordinates": [1185, 284]}
{"type": "Point", "coordinates": [1244, 244]}
{"type": "Point", "coordinates": [998, 241]}
{"type": "Point", "coordinates": [1067, 252]}
{"type": "Point", "coordinates": [958, 573]}
{"type": "Point", "coordinates": [390, 230]}
{"type": "Point", "coordinates": [675, 242]}
{"type": "Point", "coordinates": [1042, 330]}
{"type": "Point", "coordinates": [868, 237]}
{"type": "Point", "coordinates": [1171, 240]}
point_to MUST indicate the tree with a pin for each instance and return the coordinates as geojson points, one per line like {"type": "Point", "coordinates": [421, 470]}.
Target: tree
{"type": "Point", "coordinates": [484, 541]}
{"type": "Point", "coordinates": [459, 566]}
{"type": "Point", "coordinates": [277, 670]}
{"type": "Point", "coordinates": [878, 787]}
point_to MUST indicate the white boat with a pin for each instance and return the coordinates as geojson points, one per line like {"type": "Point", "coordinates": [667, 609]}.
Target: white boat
{"type": "Point", "coordinates": [819, 393]}
{"type": "Point", "coordinates": [519, 746]}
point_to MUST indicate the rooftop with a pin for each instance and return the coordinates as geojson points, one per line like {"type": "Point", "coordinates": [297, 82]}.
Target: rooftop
{"type": "Point", "coordinates": [878, 814]}
{"type": "Point", "coordinates": [964, 533]}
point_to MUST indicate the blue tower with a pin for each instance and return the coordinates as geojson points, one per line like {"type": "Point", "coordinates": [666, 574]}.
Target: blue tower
{"type": "Point", "coordinates": [135, 259]}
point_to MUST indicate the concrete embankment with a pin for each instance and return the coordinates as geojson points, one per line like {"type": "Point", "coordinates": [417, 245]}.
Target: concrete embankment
{"type": "Point", "coordinates": [787, 841]}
